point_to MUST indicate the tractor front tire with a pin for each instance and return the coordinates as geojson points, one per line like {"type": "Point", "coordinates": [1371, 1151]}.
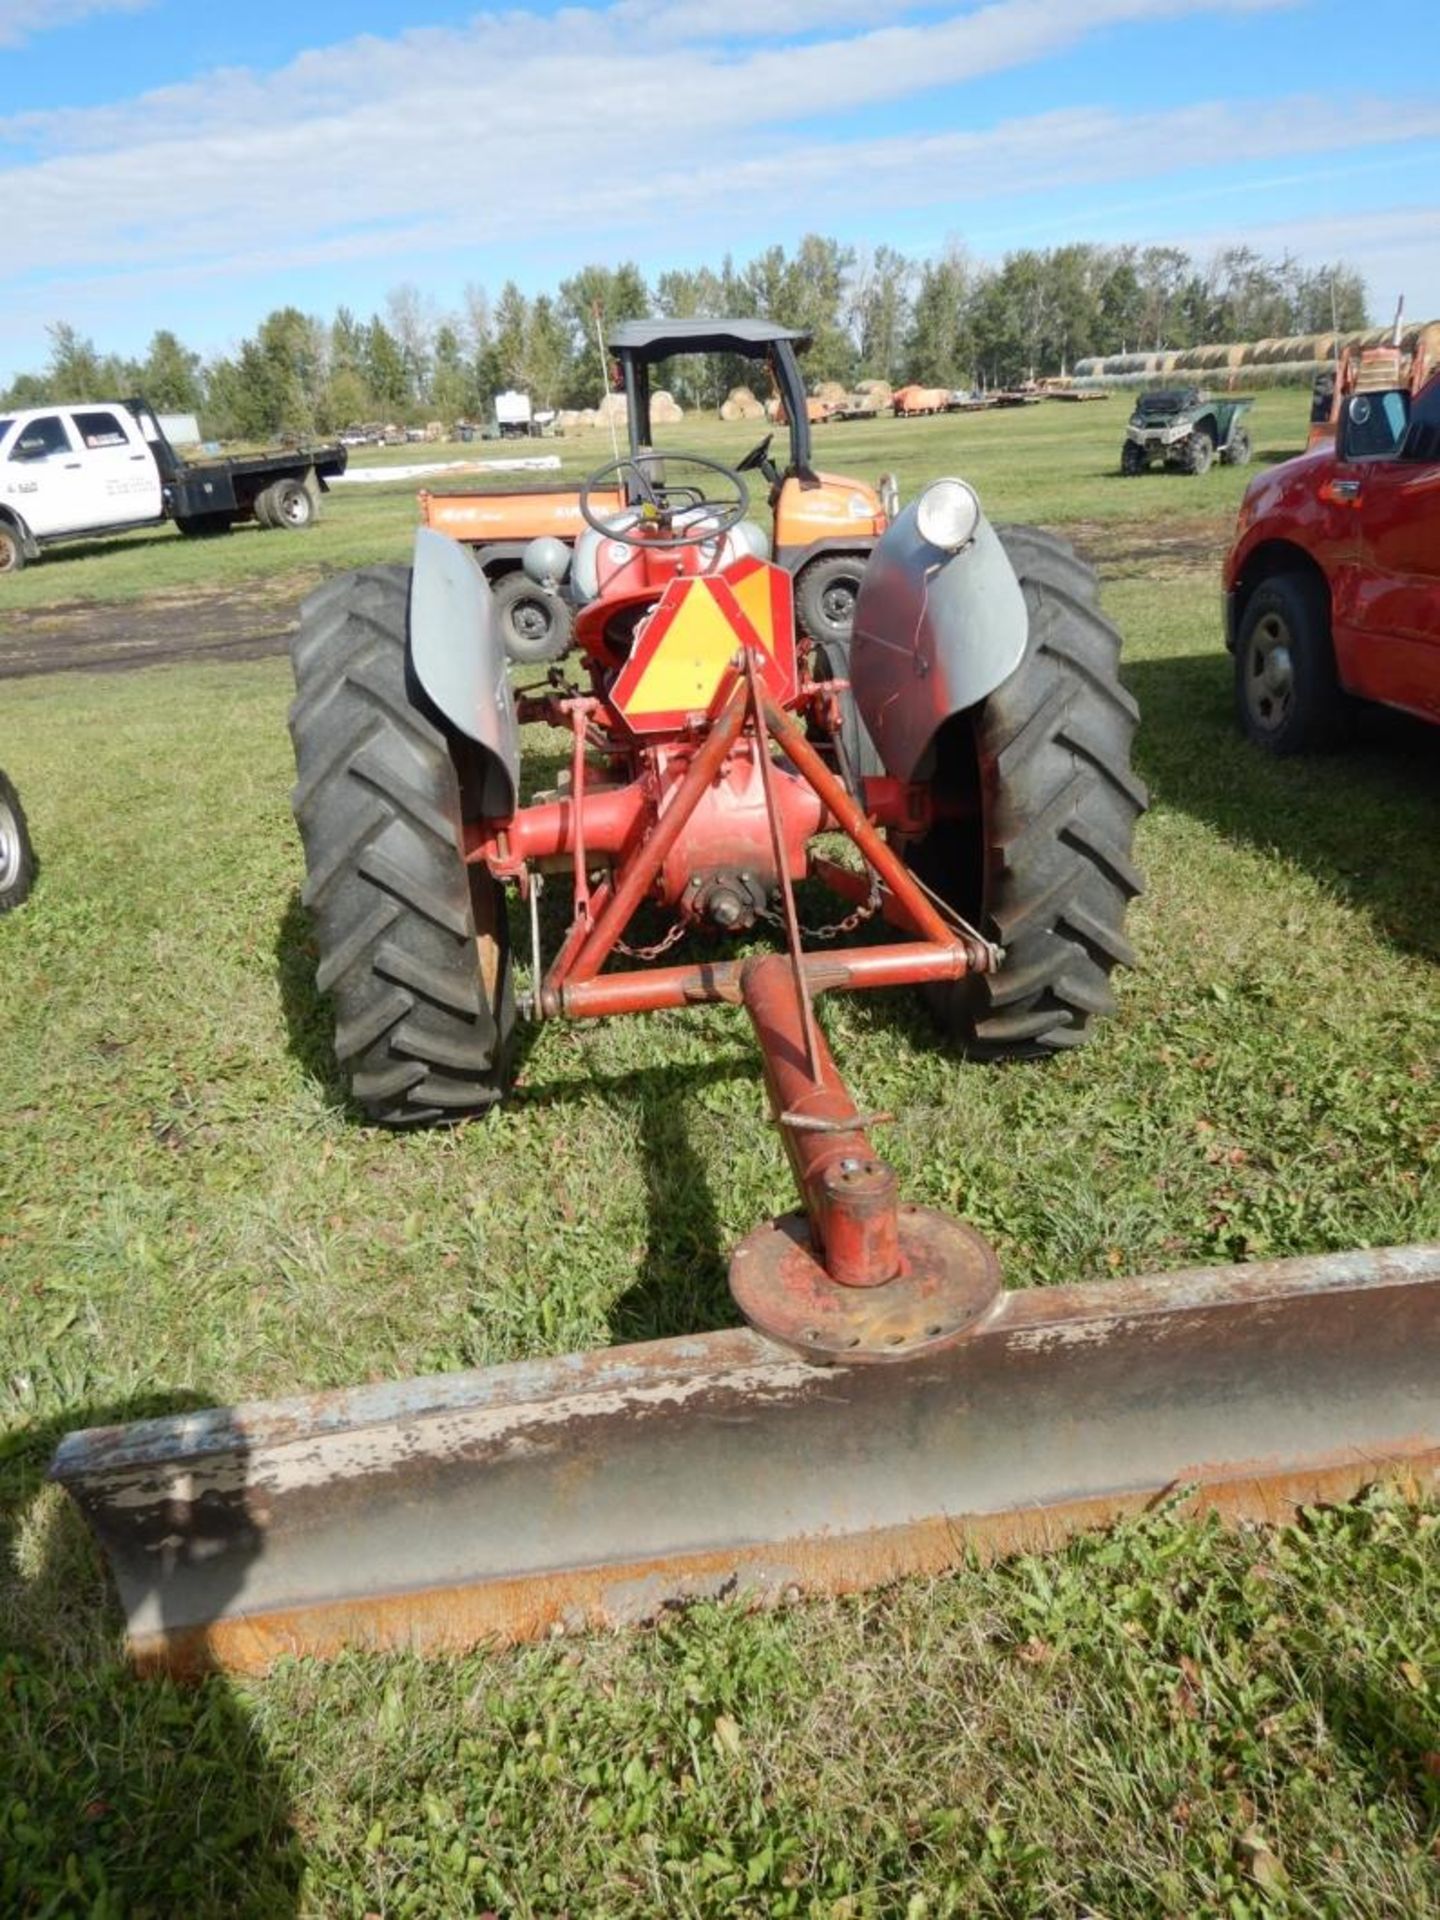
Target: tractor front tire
{"type": "Point", "coordinates": [825, 596]}
{"type": "Point", "coordinates": [413, 945]}
{"type": "Point", "coordinates": [536, 626]}
{"type": "Point", "coordinates": [1047, 875]}
{"type": "Point", "coordinates": [17, 856]}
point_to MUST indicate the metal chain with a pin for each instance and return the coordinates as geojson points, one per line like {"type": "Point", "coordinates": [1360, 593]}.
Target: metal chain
{"type": "Point", "coordinates": [865, 911]}
{"type": "Point", "coordinates": [677, 932]}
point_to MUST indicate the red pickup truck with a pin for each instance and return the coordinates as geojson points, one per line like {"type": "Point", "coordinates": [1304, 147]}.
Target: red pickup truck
{"type": "Point", "coordinates": [1332, 587]}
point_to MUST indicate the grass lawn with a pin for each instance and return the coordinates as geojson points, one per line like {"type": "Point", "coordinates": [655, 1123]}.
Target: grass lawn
{"type": "Point", "coordinates": [1166, 1720]}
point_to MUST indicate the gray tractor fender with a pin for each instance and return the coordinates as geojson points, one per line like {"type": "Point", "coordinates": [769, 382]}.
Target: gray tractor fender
{"type": "Point", "coordinates": [459, 659]}
{"type": "Point", "coordinates": [935, 632]}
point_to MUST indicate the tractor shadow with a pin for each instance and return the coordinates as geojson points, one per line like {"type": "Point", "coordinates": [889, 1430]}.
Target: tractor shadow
{"type": "Point", "coordinates": [1364, 821]}
{"type": "Point", "coordinates": [142, 1795]}
{"type": "Point", "coordinates": [681, 1282]}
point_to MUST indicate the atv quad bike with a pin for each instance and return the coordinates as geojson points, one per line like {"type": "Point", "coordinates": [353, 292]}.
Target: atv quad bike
{"type": "Point", "coordinates": [17, 856]}
{"type": "Point", "coordinates": [825, 525]}
{"type": "Point", "coordinates": [1187, 430]}
{"type": "Point", "coordinates": [958, 776]}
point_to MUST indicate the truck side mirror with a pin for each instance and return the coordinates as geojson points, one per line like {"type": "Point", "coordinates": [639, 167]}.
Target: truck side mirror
{"type": "Point", "coordinates": [1372, 425]}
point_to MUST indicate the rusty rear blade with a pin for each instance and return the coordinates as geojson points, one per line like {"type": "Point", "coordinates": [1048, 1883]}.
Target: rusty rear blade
{"type": "Point", "coordinates": [597, 1489]}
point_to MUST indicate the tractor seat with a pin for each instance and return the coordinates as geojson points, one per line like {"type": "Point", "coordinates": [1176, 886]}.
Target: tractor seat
{"type": "Point", "coordinates": [747, 538]}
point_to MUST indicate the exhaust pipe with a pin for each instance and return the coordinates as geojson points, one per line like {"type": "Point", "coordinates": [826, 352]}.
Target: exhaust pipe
{"type": "Point", "coordinates": [602, 1488]}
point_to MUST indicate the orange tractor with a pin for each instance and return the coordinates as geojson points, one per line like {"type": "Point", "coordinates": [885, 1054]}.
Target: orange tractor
{"type": "Point", "coordinates": [825, 525]}
{"type": "Point", "coordinates": [955, 773]}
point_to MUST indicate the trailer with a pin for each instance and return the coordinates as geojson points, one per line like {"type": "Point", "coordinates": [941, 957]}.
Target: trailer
{"type": "Point", "coordinates": [78, 472]}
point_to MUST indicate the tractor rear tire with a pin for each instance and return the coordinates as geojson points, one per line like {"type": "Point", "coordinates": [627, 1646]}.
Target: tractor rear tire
{"type": "Point", "coordinates": [825, 596]}
{"type": "Point", "coordinates": [413, 943]}
{"type": "Point", "coordinates": [1048, 875]}
{"type": "Point", "coordinates": [536, 626]}
{"type": "Point", "coordinates": [17, 855]}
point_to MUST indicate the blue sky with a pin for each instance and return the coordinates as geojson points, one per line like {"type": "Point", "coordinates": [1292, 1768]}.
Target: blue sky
{"type": "Point", "coordinates": [164, 163]}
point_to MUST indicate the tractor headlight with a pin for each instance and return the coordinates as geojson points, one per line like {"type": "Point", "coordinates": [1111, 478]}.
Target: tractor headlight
{"type": "Point", "coordinates": [947, 514]}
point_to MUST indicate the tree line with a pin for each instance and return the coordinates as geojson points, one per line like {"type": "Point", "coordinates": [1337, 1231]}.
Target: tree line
{"type": "Point", "coordinates": [873, 313]}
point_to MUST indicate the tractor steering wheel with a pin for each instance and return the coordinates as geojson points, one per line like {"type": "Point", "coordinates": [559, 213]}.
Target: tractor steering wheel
{"type": "Point", "coordinates": [662, 502]}
{"type": "Point", "coordinates": [757, 458]}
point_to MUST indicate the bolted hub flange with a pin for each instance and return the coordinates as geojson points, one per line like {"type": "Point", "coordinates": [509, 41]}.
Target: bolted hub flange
{"type": "Point", "coordinates": [948, 1280]}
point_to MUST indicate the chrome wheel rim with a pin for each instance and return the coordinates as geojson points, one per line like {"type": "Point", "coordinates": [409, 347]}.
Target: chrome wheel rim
{"type": "Point", "coordinates": [1269, 673]}
{"type": "Point", "coordinates": [9, 847]}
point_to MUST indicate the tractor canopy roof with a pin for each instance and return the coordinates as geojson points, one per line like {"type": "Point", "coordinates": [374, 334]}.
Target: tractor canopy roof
{"type": "Point", "coordinates": [657, 339]}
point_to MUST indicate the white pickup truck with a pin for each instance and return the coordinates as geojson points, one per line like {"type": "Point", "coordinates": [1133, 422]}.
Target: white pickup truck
{"type": "Point", "coordinates": [68, 473]}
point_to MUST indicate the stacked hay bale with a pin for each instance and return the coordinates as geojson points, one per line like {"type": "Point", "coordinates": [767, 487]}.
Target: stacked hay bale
{"type": "Point", "coordinates": [741, 404]}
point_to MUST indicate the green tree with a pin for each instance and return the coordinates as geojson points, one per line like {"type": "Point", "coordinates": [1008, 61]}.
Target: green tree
{"type": "Point", "coordinates": [880, 313]}
{"type": "Point", "coordinates": [940, 346]}
{"type": "Point", "coordinates": [385, 371]}
{"type": "Point", "coordinates": [171, 377]}
{"type": "Point", "coordinates": [452, 378]}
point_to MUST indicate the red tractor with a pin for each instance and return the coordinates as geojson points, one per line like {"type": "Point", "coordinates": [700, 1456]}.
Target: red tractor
{"type": "Point", "coordinates": [958, 773]}
{"type": "Point", "coordinates": [1332, 586]}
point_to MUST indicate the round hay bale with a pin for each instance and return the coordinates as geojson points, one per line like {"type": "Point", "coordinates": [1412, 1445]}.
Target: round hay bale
{"type": "Point", "coordinates": [831, 392]}
{"type": "Point", "coordinates": [665, 409]}
{"type": "Point", "coordinates": [741, 404]}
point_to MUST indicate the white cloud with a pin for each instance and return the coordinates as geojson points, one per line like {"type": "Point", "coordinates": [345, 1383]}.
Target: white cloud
{"type": "Point", "coordinates": [630, 126]}
{"type": "Point", "coordinates": [21, 20]}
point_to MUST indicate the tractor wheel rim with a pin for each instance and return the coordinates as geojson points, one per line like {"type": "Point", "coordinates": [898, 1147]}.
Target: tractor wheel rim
{"type": "Point", "coordinates": [9, 847]}
{"type": "Point", "coordinates": [837, 602]}
{"type": "Point", "coordinates": [1270, 673]}
{"type": "Point", "coordinates": [530, 620]}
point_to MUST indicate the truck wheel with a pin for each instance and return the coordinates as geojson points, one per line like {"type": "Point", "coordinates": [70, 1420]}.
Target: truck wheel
{"type": "Point", "coordinates": [17, 856]}
{"type": "Point", "coordinates": [534, 625]}
{"type": "Point", "coordinates": [1237, 454]}
{"type": "Point", "coordinates": [1199, 454]}
{"type": "Point", "coordinates": [1043, 767]}
{"type": "Point", "coordinates": [1132, 459]}
{"type": "Point", "coordinates": [825, 596]}
{"type": "Point", "coordinates": [413, 944]}
{"type": "Point", "coordinates": [12, 549]}
{"type": "Point", "coordinates": [264, 508]}
{"type": "Point", "coordinates": [1287, 693]}
{"type": "Point", "coordinates": [292, 505]}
